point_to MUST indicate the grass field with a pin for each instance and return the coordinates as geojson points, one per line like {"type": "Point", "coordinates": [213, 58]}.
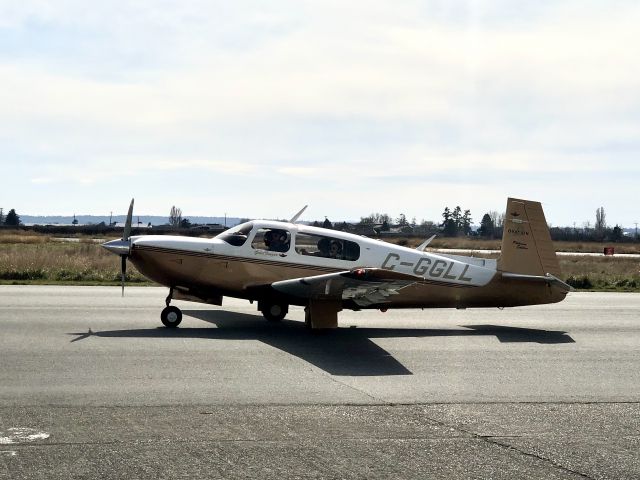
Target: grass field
{"type": "Point", "coordinates": [46, 261]}
{"type": "Point", "coordinates": [39, 259]}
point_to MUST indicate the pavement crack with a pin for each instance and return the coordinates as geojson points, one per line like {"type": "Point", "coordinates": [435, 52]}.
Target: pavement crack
{"type": "Point", "coordinates": [557, 465]}
{"type": "Point", "coordinates": [378, 401]}
{"type": "Point", "coordinates": [493, 440]}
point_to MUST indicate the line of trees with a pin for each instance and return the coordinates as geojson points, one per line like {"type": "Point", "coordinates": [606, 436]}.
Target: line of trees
{"type": "Point", "coordinates": [457, 222]}
{"type": "Point", "coordinates": [600, 231]}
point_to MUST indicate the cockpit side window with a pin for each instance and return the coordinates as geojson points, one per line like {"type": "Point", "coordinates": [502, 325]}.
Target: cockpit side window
{"type": "Point", "coordinates": [236, 236]}
{"type": "Point", "coordinates": [327, 247]}
{"type": "Point", "coordinates": [272, 239]}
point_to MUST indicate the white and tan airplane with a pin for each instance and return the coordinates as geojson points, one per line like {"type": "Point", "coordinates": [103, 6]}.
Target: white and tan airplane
{"type": "Point", "coordinates": [278, 264]}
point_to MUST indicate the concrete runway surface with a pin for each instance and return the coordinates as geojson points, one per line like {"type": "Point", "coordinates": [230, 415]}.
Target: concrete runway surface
{"type": "Point", "coordinates": [92, 385]}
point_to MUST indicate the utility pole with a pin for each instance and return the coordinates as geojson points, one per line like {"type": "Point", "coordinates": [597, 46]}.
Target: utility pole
{"type": "Point", "coordinates": [110, 216]}
{"type": "Point", "coordinates": [636, 230]}
{"type": "Point", "coordinates": [225, 219]}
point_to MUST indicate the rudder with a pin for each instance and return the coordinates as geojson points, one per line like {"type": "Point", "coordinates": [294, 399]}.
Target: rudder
{"type": "Point", "coordinates": [526, 242]}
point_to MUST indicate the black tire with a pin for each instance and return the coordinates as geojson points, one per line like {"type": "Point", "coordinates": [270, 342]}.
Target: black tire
{"type": "Point", "coordinates": [275, 312]}
{"type": "Point", "coordinates": [171, 317]}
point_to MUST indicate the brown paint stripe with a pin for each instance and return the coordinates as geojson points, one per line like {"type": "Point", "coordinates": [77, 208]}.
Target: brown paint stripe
{"type": "Point", "coordinates": [258, 261]}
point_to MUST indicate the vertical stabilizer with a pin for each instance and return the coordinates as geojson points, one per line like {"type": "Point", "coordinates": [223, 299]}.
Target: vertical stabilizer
{"type": "Point", "coordinates": [526, 243]}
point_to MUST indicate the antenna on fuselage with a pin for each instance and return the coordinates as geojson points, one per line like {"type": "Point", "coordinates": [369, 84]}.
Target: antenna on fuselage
{"type": "Point", "coordinates": [295, 218]}
{"type": "Point", "coordinates": [424, 244]}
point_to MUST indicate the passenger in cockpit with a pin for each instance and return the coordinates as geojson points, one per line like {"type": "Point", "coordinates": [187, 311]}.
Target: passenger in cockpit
{"type": "Point", "coordinates": [323, 247]}
{"type": "Point", "coordinates": [335, 249]}
{"type": "Point", "coordinates": [276, 241]}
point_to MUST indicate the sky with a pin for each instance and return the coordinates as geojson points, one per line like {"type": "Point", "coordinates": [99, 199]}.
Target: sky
{"type": "Point", "coordinates": [257, 108]}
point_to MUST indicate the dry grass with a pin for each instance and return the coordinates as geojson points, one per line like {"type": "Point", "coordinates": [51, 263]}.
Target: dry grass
{"type": "Point", "coordinates": [61, 262]}
{"type": "Point", "coordinates": [22, 237]}
{"type": "Point", "coordinates": [601, 273]}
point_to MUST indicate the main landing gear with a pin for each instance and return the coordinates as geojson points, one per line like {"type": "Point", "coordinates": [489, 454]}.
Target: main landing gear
{"type": "Point", "coordinates": [170, 316]}
{"type": "Point", "coordinates": [273, 311]}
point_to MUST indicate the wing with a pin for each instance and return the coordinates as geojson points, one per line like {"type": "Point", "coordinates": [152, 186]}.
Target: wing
{"type": "Point", "coordinates": [365, 286]}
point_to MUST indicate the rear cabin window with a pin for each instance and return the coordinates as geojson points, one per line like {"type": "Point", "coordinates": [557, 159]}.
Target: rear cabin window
{"type": "Point", "coordinates": [327, 247]}
{"type": "Point", "coordinates": [236, 236]}
{"type": "Point", "coordinates": [272, 239]}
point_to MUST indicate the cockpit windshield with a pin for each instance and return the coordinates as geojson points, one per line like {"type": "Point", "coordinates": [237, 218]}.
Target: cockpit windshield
{"type": "Point", "coordinates": [237, 235]}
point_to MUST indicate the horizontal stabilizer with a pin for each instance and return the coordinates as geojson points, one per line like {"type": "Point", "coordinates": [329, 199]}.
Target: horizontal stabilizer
{"type": "Point", "coordinates": [548, 278]}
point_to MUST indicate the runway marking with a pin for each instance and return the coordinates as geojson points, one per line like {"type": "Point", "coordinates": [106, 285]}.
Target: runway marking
{"type": "Point", "coordinates": [8, 453]}
{"type": "Point", "coordinates": [21, 435]}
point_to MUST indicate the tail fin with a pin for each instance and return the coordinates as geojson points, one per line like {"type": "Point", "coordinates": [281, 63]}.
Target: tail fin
{"type": "Point", "coordinates": [526, 243]}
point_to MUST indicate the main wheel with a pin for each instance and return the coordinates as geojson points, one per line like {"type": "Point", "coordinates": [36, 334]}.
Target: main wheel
{"type": "Point", "coordinates": [275, 312]}
{"type": "Point", "coordinates": [171, 317]}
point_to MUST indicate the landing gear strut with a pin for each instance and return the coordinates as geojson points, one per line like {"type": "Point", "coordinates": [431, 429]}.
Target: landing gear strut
{"type": "Point", "coordinates": [273, 311]}
{"type": "Point", "coordinates": [170, 316]}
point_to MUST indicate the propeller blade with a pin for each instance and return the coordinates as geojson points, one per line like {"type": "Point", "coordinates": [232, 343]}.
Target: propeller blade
{"type": "Point", "coordinates": [127, 225]}
{"type": "Point", "coordinates": [123, 270]}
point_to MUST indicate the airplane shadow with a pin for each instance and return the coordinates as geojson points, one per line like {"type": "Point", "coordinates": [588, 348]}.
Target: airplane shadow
{"type": "Point", "coordinates": [342, 352]}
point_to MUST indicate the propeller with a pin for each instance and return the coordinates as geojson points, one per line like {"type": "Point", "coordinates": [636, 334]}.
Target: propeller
{"type": "Point", "coordinates": [126, 235]}
{"type": "Point", "coordinates": [122, 247]}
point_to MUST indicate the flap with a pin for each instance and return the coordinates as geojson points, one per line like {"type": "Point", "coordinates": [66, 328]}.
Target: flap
{"type": "Point", "coordinates": [365, 286]}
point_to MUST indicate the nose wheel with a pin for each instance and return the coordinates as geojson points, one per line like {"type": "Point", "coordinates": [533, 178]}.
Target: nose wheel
{"type": "Point", "coordinates": [170, 316]}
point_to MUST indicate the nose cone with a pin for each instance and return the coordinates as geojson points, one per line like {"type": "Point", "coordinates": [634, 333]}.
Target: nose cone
{"type": "Point", "coordinates": [119, 247]}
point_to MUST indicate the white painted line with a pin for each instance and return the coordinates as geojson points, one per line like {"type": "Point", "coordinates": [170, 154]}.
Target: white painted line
{"type": "Point", "coordinates": [21, 435]}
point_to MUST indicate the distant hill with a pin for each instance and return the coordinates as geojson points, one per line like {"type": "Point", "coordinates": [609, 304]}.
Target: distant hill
{"type": "Point", "coordinates": [143, 219]}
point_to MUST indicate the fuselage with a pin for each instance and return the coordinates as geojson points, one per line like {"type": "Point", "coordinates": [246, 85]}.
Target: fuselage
{"type": "Point", "coordinates": [244, 261]}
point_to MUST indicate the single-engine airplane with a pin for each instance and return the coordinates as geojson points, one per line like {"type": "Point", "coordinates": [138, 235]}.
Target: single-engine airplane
{"type": "Point", "coordinates": [278, 264]}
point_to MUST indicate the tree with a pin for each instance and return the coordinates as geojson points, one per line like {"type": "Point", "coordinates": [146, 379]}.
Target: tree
{"type": "Point", "coordinates": [456, 216]}
{"type": "Point", "coordinates": [402, 220]}
{"type": "Point", "coordinates": [185, 223]}
{"type": "Point", "coordinates": [12, 218]}
{"type": "Point", "coordinates": [1, 216]}
{"type": "Point", "coordinates": [446, 216]}
{"type": "Point", "coordinates": [385, 226]}
{"type": "Point", "coordinates": [175, 217]}
{"type": "Point", "coordinates": [450, 228]}
{"type": "Point", "coordinates": [451, 221]}
{"type": "Point", "coordinates": [327, 223]}
{"type": "Point", "coordinates": [601, 222]}
{"type": "Point", "coordinates": [466, 222]}
{"type": "Point", "coordinates": [616, 234]}
{"type": "Point", "coordinates": [486, 226]}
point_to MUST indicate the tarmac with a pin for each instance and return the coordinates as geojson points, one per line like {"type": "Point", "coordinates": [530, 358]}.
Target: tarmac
{"type": "Point", "coordinates": [92, 385]}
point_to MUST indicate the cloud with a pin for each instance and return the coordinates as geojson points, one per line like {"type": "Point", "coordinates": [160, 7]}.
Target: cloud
{"type": "Point", "coordinates": [346, 94]}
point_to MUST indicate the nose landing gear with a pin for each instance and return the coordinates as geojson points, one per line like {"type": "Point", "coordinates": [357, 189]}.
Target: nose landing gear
{"type": "Point", "coordinates": [170, 316]}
